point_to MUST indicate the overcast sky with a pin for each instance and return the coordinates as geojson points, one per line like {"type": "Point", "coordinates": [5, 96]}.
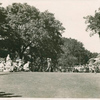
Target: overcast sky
{"type": "Point", "coordinates": [70, 13]}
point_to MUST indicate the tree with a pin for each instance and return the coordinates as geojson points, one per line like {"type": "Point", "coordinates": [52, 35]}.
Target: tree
{"type": "Point", "coordinates": [93, 23]}
{"type": "Point", "coordinates": [74, 53]}
{"type": "Point", "coordinates": [20, 27]}
{"type": "Point", "coordinates": [2, 18]}
{"type": "Point", "coordinates": [3, 15]}
{"type": "Point", "coordinates": [50, 39]}
{"type": "Point", "coordinates": [31, 32]}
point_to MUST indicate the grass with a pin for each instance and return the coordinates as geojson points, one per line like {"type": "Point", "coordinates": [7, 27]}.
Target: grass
{"type": "Point", "coordinates": [50, 85]}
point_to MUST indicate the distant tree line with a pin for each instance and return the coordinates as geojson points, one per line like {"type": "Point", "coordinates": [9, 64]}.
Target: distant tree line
{"type": "Point", "coordinates": [74, 53]}
{"type": "Point", "coordinates": [34, 36]}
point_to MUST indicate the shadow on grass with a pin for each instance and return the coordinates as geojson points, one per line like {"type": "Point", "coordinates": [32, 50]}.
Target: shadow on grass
{"type": "Point", "coordinates": [8, 95]}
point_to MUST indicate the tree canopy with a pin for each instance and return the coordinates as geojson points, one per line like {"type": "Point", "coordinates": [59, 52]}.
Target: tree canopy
{"type": "Point", "coordinates": [74, 53]}
{"type": "Point", "coordinates": [93, 22]}
{"type": "Point", "coordinates": [29, 32]}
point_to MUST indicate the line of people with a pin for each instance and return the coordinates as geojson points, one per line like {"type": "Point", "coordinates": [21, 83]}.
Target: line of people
{"type": "Point", "coordinates": [87, 68]}
{"type": "Point", "coordinates": [16, 66]}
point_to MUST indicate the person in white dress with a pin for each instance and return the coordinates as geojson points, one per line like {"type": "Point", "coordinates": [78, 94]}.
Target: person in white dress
{"type": "Point", "coordinates": [26, 66]}
{"type": "Point", "coordinates": [8, 63]}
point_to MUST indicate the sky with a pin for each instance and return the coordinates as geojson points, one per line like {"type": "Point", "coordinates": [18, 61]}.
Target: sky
{"type": "Point", "coordinates": [70, 13]}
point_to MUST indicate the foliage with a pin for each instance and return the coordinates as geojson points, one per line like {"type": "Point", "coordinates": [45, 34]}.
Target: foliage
{"type": "Point", "coordinates": [93, 22]}
{"type": "Point", "coordinates": [74, 53]}
{"type": "Point", "coordinates": [2, 14]}
{"type": "Point", "coordinates": [32, 34]}
{"type": "Point", "coordinates": [3, 52]}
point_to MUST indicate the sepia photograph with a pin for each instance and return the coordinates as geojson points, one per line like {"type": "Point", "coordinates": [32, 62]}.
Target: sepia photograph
{"type": "Point", "coordinates": [49, 49]}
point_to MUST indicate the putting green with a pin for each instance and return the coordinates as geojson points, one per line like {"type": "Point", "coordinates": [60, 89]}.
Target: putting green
{"type": "Point", "coordinates": [50, 85]}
